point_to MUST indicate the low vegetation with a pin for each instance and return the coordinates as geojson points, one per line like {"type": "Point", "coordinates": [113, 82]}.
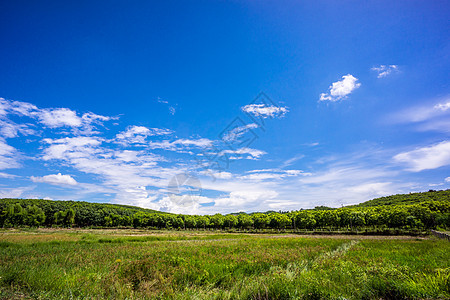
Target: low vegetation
{"type": "Point", "coordinates": [135, 253]}
{"type": "Point", "coordinates": [138, 264]}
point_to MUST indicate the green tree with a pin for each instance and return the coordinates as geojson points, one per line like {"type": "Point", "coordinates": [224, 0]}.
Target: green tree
{"type": "Point", "coordinates": [231, 221]}
{"type": "Point", "coordinates": [261, 220]}
{"type": "Point", "coordinates": [245, 221]}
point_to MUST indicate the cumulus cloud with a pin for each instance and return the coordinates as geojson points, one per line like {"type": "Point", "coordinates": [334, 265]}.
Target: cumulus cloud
{"type": "Point", "coordinates": [10, 129]}
{"type": "Point", "coordinates": [426, 158]}
{"type": "Point", "coordinates": [265, 111]}
{"type": "Point", "coordinates": [56, 179]}
{"type": "Point", "coordinates": [385, 70]}
{"type": "Point", "coordinates": [341, 89]}
{"type": "Point", "coordinates": [17, 107]}
{"type": "Point", "coordinates": [59, 117]}
{"type": "Point", "coordinates": [447, 179]}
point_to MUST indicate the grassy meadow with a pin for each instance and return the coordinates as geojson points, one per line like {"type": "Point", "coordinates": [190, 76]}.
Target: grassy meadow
{"type": "Point", "coordinates": [139, 264]}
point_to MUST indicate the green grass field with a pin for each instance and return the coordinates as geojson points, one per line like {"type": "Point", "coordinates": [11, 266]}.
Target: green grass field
{"type": "Point", "coordinates": [138, 264]}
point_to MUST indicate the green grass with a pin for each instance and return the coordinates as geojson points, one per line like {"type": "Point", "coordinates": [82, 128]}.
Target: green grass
{"type": "Point", "coordinates": [129, 264]}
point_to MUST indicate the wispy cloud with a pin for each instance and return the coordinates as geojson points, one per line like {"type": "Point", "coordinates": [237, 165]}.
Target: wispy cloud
{"type": "Point", "coordinates": [237, 132]}
{"type": "Point", "coordinates": [172, 108]}
{"type": "Point", "coordinates": [139, 134]}
{"type": "Point", "coordinates": [434, 116]}
{"type": "Point", "coordinates": [341, 89]}
{"type": "Point", "coordinates": [272, 174]}
{"type": "Point", "coordinates": [426, 158]}
{"type": "Point", "coordinates": [8, 156]}
{"type": "Point", "coordinates": [49, 117]}
{"type": "Point", "coordinates": [291, 160]}
{"type": "Point", "coordinates": [385, 70]}
{"type": "Point", "coordinates": [6, 175]}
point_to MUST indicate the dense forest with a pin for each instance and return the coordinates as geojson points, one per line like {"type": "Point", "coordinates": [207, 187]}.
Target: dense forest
{"type": "Point", "coordinates": [414, 211]}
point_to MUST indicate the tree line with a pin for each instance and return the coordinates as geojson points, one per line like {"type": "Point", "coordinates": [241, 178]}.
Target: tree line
{"type": "Point", "coordinates": [419, 215]}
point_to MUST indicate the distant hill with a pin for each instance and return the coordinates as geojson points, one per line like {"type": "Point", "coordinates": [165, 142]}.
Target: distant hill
{"type": "Point", "coordinates": [86, 213]}
{"type": "Point", "coordinates": [416, 211]}
{"type": "Point", "coordinates": [411, 198]}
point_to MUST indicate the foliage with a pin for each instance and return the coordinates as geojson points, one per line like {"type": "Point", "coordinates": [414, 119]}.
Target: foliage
{"type": "Point", "coordinates": [422, 211]}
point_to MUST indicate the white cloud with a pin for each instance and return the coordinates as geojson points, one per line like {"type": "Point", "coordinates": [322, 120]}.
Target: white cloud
{"type": "Point", "coordinates": [10, 129]}
{"type": "Point", "coordinates": [443, 106]}
{"type": "Point", "coordinates": [340, 89]}
{"type": "Point", "coordinates": [252, 153]}
{"type": "Point", "coordinates": [377, 189]}
{"type": "Point", "coordinates": [426, 158]}
{"type": "Point", "coordinates": [91, 118]}
{"type": "Point", "coordinates": [59, 117]}
{"type": "Point", "coordinates": [56, 179]}
{"type": "Point", "coordinates": [6, 175]}
{"type": "Point", "coordinates": [217, 175]}
{"type": "Point", "coordinates": [67, 148]}
{"type": "Point", "coordinates": [139, 134]}
{"type": "Point", "coordinates": [237, 132]}
{"type": "Point", "coordinates": [447, 179]}
{"type": "Point", "coordinates": [201, 143]}
{"type": "Point", "coordinates": [16, 107]}
{"type": "Point", "coordinates": [422, 113]}
{"type": "Point", "coordinates": [272, 174]}
{"type": "Point", "coordinates": [430, 117]}
{"type": "Point", "coordinates": [292, 160]}
{"type": "Point", "coordinates": [8, 156]}
{"type": "Point", "coordinates": [265, 111]}
{"type": "Point", "coordinates": [172, 109]}
{"type": "Point", "coordinates": [16, 192]}
{"type": "Point", "coordinates": [50, 117]}
{"type": "Point", "coordinates": [385, 70]}
{"type": "Point", "coordinates": [243, 200]}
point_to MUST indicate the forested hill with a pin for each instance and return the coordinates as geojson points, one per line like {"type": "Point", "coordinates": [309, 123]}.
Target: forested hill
{"type": "Point", "coordinates": [411, 198]}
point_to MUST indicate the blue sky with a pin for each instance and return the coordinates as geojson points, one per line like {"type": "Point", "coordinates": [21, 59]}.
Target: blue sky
{"type": "Point", "coordinates": [214, 106]}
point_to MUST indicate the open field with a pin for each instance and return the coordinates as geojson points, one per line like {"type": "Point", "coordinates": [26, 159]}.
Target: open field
{"type": "Point", "coordinates": [137, 264]}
